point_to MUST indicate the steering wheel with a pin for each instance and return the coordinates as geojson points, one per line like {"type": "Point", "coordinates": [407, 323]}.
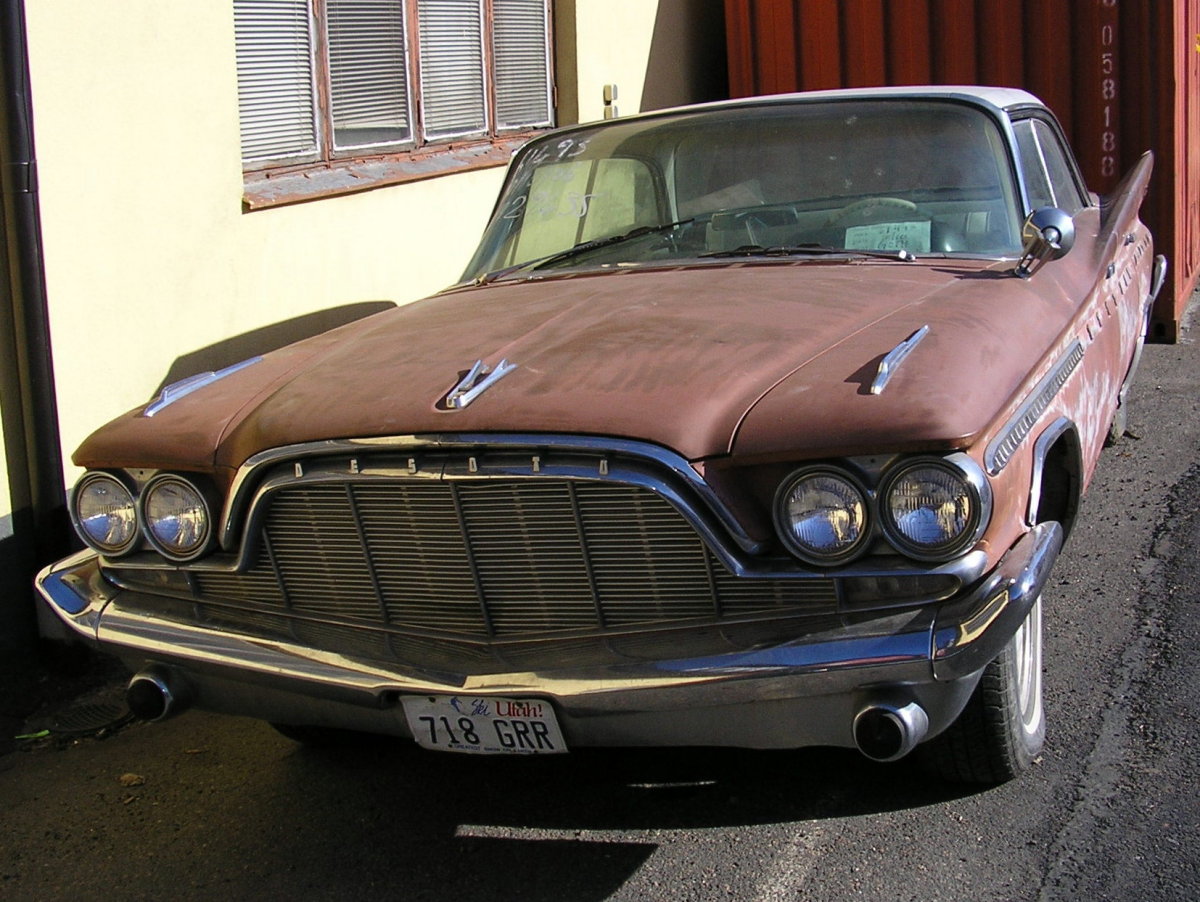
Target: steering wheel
{"type": "Point", "coordinates": [896, 204]}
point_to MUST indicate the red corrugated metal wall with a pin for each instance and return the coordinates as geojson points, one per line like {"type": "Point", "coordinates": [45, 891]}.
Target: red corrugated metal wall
{"type": "Point", "coordinates": [1186, 135]}
{"type": "Point", "coordinates": [1122, 76]}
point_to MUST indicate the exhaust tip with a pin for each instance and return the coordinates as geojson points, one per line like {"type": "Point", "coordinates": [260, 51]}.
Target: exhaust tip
{"type": "Point", "coordinates": [888, 732]}
{"type": "Point", "coordinates": [153, 694]}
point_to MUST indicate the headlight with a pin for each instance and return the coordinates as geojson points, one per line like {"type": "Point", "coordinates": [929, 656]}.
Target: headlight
{"type": "Point", "coordinates": [933, 509]}
{"type": "Point", "coordinates": [177, 518]}
{"type": "Point", "coordinates": [104, 513]}
{"type": "Point", "coordinates": [821, 515]}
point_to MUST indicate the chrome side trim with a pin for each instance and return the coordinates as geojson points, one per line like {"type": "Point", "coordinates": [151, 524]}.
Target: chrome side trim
{"type": "Point", "coordinates": [1001, 449]}
{"type": "Point", "coordinates": [184, 387]}
{"type": "Point", "coordinates": [892, 360]}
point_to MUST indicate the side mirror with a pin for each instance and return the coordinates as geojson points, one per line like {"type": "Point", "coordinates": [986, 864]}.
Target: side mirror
{"type": "Point", "coordinates": [1048, 234]}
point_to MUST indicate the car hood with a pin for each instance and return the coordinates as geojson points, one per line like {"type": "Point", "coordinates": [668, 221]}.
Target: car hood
{"type": "Point", "coordinates": [753, 358]}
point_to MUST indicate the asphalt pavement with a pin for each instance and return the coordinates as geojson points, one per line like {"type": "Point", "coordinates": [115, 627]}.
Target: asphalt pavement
{"type": "Point", "coordinates": [208, 807]}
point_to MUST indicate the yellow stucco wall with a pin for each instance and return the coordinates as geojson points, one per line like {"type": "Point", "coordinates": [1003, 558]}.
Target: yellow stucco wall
{"type": "Point", "coordinates": [148, 256]}
{"type": "Point", "coordinates": [615, 38]}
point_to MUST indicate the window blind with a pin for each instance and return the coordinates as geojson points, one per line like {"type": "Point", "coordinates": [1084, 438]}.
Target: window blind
{"type": "Point", "coordinates": [520, 44]}
{"type": "Point", "coordinates": [276, 103]}
{"type": "Point", "coordinates": [454, 103]}
{"type": "Point", "coordinates": [368, 73]}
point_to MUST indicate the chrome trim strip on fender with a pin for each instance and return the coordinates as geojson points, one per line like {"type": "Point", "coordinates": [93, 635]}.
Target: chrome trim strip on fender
{"type": "Point", "coordinates": [1001, 449]}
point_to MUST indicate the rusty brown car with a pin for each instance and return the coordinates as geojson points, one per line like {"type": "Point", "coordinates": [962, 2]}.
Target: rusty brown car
{"type": "Point", "coordinates": [755, 424]}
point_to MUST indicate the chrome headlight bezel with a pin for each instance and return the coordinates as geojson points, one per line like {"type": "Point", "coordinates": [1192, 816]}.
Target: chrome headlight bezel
{"type": "Point", "coordinates": [124, 496]}
{"type": "Point", "coordinates": [973, 487]}
{"type": "Point", "coordinates": [806, 552]}
{"type": "Point", "coordinates": [200, 501]}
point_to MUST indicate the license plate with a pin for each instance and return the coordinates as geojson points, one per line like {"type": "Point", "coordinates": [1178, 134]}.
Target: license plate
{"type": "Point", "coordinates": [484, 725]}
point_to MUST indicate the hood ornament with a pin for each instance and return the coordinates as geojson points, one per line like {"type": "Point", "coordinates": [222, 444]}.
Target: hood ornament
{"type": "Point", "coordinates": [476, 382]}
{"type": "Point", "coordinates": [892, 360]}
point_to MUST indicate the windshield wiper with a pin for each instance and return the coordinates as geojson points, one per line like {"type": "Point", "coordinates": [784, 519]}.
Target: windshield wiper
{"type": "Point", "coordinates": [581, 248]}
{"type": "Point", "coordinates": [809, 250]}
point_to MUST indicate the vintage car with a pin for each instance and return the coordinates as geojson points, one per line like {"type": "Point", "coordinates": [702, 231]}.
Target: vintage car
{"type": "Point", "coordinates": [754, 424]}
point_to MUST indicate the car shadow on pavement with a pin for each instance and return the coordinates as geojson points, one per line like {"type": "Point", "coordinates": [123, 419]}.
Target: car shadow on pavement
{"type": "Point", "coordinates": [624, 789]}
{"type": "Point", "coordinates": [568, 827]}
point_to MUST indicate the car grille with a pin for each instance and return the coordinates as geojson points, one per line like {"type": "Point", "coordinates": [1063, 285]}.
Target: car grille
{"type": "Point", "coordinates": [494, 561]}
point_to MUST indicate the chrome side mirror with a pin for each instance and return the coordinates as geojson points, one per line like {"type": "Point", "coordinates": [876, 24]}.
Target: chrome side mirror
{"type": "Point", "coordinates": [1048, 234]}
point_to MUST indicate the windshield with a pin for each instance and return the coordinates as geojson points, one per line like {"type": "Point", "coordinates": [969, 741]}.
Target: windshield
{"type": "Point", "coordinates": [890, 175]}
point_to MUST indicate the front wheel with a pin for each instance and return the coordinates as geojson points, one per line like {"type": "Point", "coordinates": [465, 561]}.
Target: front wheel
{"type": "Point", "coordinates": [1002, 729]}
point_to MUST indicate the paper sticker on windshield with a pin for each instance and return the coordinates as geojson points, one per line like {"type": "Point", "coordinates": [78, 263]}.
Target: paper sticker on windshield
{"type": "Point", "coordinates": [890, 236]}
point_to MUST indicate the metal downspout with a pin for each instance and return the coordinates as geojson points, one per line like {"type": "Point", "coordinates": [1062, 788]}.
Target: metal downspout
{"type": "Point", "coordinates": [27, 397]}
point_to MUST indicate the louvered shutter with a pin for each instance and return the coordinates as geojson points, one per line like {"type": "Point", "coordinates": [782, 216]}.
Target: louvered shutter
{"type": "Point", "coordinates": [275, 80]}
{"type": "Point", "coordinates": [368, 73]}
{"type": "Point", "coordinates": [453, 101]}
{"type": "Point", "coordinates": [520, 45]}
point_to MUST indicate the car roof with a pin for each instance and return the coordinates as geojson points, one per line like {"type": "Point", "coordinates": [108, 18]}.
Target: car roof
{"type": "Point", "coordinates": [996, 98]}
{"type": "Point", "coordinates": [1004, 98]}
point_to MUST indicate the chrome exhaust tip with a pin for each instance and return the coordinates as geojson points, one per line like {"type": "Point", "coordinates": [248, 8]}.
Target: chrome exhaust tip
{"type": "Point", "coordinates": [156, 694]}
{"type": "Point", "coordinates": [887, 732]}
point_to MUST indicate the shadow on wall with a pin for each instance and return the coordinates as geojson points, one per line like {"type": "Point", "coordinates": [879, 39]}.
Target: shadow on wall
{"type": "Point", "coordinates": [687, 55]}
{"type": "Point", "coordinates": [268, 338]}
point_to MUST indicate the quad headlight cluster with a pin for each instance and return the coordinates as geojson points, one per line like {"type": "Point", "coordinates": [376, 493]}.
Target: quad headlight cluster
{"type": "Point", "coordinates": [928, 508]}
{"type": "Point", "coordinates": [172, 513]}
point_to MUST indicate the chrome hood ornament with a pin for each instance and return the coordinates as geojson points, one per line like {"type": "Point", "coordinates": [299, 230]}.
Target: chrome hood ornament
{"type": "Point", "coordinates": [476, 382]}
{"type": "Point", "coordinates": [892, 360]}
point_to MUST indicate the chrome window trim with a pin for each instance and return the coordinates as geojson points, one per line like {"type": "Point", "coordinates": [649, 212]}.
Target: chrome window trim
{"type": "Point", "coordinates": [1001, 449]}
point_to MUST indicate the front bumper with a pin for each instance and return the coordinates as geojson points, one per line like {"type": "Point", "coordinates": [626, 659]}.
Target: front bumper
{"type": "Point", "coordinates": [798, 693]}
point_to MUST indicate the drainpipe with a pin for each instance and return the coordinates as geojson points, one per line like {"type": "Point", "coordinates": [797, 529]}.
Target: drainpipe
{"type": "Point", "coordinates": [27, 398]}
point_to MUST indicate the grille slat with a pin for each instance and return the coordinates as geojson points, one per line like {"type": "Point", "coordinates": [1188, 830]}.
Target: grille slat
{"type": "Point", "coordinates": [496, 560]}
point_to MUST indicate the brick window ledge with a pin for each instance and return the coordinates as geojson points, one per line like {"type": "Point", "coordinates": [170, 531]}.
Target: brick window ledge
{"type": "Point", "coordinates": [263, 190]}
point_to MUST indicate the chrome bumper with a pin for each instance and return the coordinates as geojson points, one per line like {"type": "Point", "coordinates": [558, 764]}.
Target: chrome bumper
{"type": "Point", "coordinates": [805, 692]}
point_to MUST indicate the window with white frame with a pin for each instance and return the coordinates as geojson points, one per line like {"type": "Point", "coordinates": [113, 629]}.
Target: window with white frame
{"type": "Point", "coordinates": [328, 80]}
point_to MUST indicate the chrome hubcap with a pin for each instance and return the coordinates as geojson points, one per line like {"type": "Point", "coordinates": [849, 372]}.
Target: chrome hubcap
{"type": "Point", "coordinates": [1027, 661]}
